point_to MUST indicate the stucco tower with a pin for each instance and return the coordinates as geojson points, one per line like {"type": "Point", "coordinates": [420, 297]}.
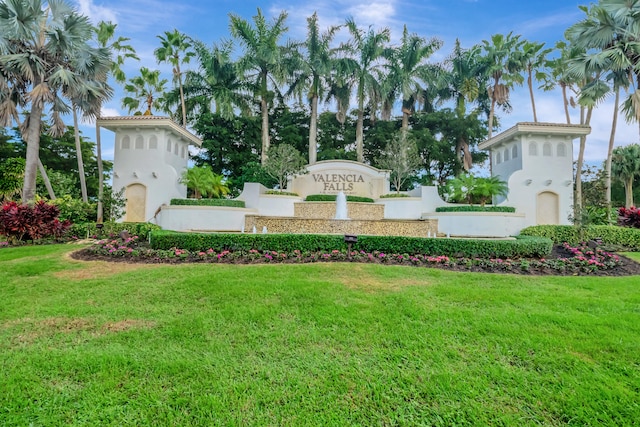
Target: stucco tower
{"type": "Point", "coordinates": [150, 154]}
{"type": "Point", "coordinates": [536, 160]}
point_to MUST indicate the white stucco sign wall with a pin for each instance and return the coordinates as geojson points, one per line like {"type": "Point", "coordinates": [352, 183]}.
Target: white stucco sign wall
{"type": "Point", "coordinates": [332, 177]}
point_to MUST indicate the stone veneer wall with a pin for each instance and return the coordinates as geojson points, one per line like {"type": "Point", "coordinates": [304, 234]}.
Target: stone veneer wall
{"type": "Point", "coordinates": [327, 210]}
{"type": "Point", "coordinates": [336, 226]}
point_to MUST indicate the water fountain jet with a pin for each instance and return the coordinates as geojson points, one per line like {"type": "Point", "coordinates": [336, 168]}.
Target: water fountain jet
{"type": "Point", "coordinates": [341, 206]}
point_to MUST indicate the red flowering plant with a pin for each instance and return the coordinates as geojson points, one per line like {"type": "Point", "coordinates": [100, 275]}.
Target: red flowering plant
{"type": "Point", "coordinates": [23, 222]}
{"type": "Point", "coordinates": [629, 217]}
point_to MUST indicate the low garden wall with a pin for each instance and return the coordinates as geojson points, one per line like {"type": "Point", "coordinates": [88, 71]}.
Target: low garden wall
{"type": "Point", "coordinates": [478, 224]}
{"type": "Point", "coordinates": [327, 210]}
{"type": "Point", "coordinates": [202, 218]}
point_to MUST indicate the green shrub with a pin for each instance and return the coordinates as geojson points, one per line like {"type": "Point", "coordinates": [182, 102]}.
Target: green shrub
{"type": "Point", "coordinates": [471, 208]}
{"type": "Point", "coordinates": [280, 193]}
{"type": "Point", "coordinates": [208, 202]}
{"type": "Point", "coordinates": [610, 234]}
{"type": "Point", "coordinates": [89, 229]}
{"type": "Point", "coordinates": [75, 210]}
{"type": "Point", "coordinates": [394, 195]}
{"type": "Point", "coordinates": [484, 248]}
{"type": "Point", "coordinates": [332, 198]}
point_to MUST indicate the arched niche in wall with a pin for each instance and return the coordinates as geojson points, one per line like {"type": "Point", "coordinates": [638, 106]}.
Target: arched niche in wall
{"type": "Point", "coordinates": [125, 144]}
{"type": "Point", "coordinates": [533, 148]}
{"type": "Point", "coordinates": [136, 195]}
{"type": "Point", "coordinates": [547, 208]}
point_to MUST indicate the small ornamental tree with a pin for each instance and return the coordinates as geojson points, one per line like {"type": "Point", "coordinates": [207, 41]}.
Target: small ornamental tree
{"type": "Point", "coordinates": [401, 157]}
{"type": "Point", "coordinates": [284, 160]}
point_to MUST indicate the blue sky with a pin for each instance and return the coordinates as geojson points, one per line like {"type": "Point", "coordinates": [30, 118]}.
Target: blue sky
{"type": "Point", "coordinates": [469, 20]}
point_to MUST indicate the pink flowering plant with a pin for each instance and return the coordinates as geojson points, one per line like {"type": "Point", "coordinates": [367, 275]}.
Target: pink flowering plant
{"type": "Point", "coordinates": [578, 259]}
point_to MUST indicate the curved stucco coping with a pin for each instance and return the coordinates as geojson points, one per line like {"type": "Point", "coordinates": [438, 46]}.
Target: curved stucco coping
{"type": "Point", "coordinates": [220, 208]}
{"type": "Point", "coordinates": [478, 224]}
{"type": "Point", "coordinates": [280, 196]}
{"type": "Point", "coordinates": [428, 215]}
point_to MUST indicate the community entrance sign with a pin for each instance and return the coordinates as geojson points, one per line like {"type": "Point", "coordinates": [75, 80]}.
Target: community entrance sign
{"type": "Point", "coordinates": [334, 176]}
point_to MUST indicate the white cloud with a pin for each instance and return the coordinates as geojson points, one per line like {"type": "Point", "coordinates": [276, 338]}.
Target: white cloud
{"type": "Point", "coordinates": [95, 12]}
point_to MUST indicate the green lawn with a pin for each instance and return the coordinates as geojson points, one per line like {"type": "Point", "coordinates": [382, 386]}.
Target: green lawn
{"type": "Point", "coordinates": [313, 344]}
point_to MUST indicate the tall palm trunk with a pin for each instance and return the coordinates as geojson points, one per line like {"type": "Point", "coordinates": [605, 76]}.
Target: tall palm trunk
{"type": "Point", "coordinates": [493, 108]}
{"type": "Point", "coordinates": [45, 179]}
{"type": "Point", "coordinates": [533, 102]}
{"type": "Point", "coordinates": [360, 132]}
{"type": "Point", "coordinates": [265, 129]}
{"type": "Point", "coordinates": [32, 156]}
{"type": "Point", "coordinates": [565, 101]}
{"type": "Point", "coordinates": [313, 130]}
{"type": "Point", "coordinates": [81, 175]}
{"type": "Point", "coordinates": [628, 190]}
{"type": "Point", "coordinates": [577, 202]}
{"type": "Point", "coordinates": [182, 103]}
{"type": "Point", "coordinates": [100, 206]}
{"type": "Point", "coordinates": [405, 120]}
{"type": "Point", "coordinates": [612, 138]}
{"type": "Point", "coordinates": [41, 169]}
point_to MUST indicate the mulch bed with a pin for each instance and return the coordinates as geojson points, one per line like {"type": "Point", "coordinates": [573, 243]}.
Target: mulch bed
{"type": "Point", "coordinates": [627, 267]}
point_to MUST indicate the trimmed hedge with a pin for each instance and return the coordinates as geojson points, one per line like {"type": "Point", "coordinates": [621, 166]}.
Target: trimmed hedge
{"type": "Point", "coordinates": [520, 247]}
{"type": "Point", "coordinates": [280, 193]}
{"type": "Point", "coordinates": [394, 196]}
{"type": "Point", "coordinates": [332, 198]}
{"type": "Point", "coordinates": [610, 234]}
{"type": "Point", "coordinates": [88, 229]}
{"type": "Point", "coordinates": [470, 208]}
{"type": "Point", "coordinates": [208, 202]}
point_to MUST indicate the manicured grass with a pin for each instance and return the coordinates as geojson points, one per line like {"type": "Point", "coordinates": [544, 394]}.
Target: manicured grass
{"type": "Point", "coordinates": [311, 344]}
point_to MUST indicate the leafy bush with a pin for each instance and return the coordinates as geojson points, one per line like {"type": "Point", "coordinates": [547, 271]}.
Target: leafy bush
{"type": "Point", "coordinates": [89, 229]}
{"type": "Point", "coordinates": [280, 193]}
{"type": "Point", "coordinates": [208, 202]}
{"type": "Point", "coordinates": [332, 198]}
{"type": "Point", "coordinates": [394, 195]}
{"type": "Point", "coordinates": [629, 217]}
{"type": "Point", "coordinates": [75, 210]}
{"type": "Point", "coordinates": [609, 234]}
{"type": "Point", "coordinates": [24, 222]}
{"type": "Point", "coordinates": [471, 208]}
{"type": "Point", "coordinates": [520, 247]}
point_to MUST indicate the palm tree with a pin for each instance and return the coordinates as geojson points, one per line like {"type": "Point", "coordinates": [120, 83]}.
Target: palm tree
{"type": "Point", "coordinates": [203, 182]}
{"type": "Point", "coordinates": [174, 50]}
{"type": "Point", "coordinates": [145, 89]}
{"type": "Point", "coordinates": [104, 33]}
{"type": "Point", "coordinates": [503, 67]}
{"type": "Point", "coordinates": [618, 81]}
{"type": "Point", "coordinates": [368, 48]}
{"type": "Point", "coordinates": [215, 86]}
{"type": "Point", "coordinates": [408, 70]}
{"type": "Point", "coordinates": [533, 60]}
{"type": "Point", "coordinates": [312, 73]}
{"type": "Point", "coordinates": [460, 81]}
{"type": "Point", "coordinates": [262, 61]}
{"type": "Point", "coordinates": [608, 34]}
{"type": "Point", "coordinates": [559, 75]}
{"type": "Point", "coordinates": [626, 167]}
{"type": "Point", "coordinates": [45, 57]}
{"type": "Point", "coordinates": [607, 38]}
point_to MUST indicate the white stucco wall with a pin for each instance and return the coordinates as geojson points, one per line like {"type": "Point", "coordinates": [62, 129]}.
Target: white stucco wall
{"type": "Point", "coordinates": [478, 224]}
{"type": "Point", "coordinates": [203, 218]}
